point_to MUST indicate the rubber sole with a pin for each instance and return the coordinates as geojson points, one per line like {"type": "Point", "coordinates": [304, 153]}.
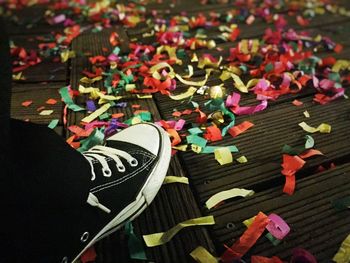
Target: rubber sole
{"type": "Point", "coordinates": [145, 196]}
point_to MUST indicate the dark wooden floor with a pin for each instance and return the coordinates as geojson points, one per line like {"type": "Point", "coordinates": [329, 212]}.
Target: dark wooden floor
{"type": "Point", "coordinates": [315, 224]}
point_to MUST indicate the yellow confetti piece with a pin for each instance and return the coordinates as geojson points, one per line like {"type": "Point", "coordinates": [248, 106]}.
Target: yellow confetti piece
{"type": "Point", "coordinates": [161, 238]}
{"type": "Point", "coordinates": [238, 83]}
{"type": "Point", "coordinates": [67, 54]}
{"type": "Point", "coordinates": [154, 70]}
{"type": "Point", "coordinates": [130, 87]}
{"type": "Point", "coordinates": [182, 148]}
{"type": "Point", "coordinates": [87, 80]}
{"type": "Point", "coordinates": [196, 148]}
{"type": "Point", "coordinates": [175, 179]}
{"type": "Point", "coordinates": [322, 128]}
{"type": "Point", "coordinates": [96, 93]}
{"type": "Point", "coordinates": [341, 65]}
{"type": "Point", "coordinates": [201, 255]}
{"type": "Point", "coordinates": [223, 155]}
{"type": "Point", "coordinates": [96, 113]}
{"type": "Point", "coordinates": [242, 159]}
{"type": "Point", "coordinates": [171, 53]}
{"type": "Point", "coordinates": [224, 195]}
{"type": "Point", "coordinates": [188, 93]}
{"type": "Point", "coordinates": [195, 83]}
{"type": "Point", "coordinates": [46, 112]}
{"type": "Point", "coordinates": [245, 43]}
{"type": "Point", "coordinates": [249, 221]}
{"type": "Point", "coordinates": [343, 254]}
{"type": "Point", "coordinates": [306, 114]}
{"type": "Point", "coordinates": [190, 72]}
{"type": "Point", "coordinates": [204, 62]}
{"type": "Point", "coordinates": [194, 58]}
{"type": "Point", "coordinates": [17, 76]}
{"type": "Point", "coordinates": [140, 96]}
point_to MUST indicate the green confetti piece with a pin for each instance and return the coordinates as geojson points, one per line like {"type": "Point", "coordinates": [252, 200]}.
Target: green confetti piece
{"type": "Point", "coordinates": [53, 124]}
{"type": "Point", "coordinates": [195, 139]}
{"type": "Point", "coordinates": [104, 116]}
{"type": "Point", "coordinates": [95, 138]}
{"type": "Point", "coordinates": [135, 245]}
{"type": "Point", "coordinates": [273, 240]}
{"type": "Point", "coordinates": [145, 116]}
{"type": "Point", "coordinates": [309, 142]}
{"type": "Point", "coordinates": [68, 100]}
{"type": "Point", "coordinates": [211, 149]}
{"type": "Point", "coordinates": [269, 67]}
{"type": "Point", "coordinates": [195, 131]}
{"type": "Point", "coordinates": [342, 204]}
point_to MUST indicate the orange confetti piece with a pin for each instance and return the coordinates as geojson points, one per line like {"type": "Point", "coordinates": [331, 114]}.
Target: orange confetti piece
{"type": "Point", "coordinates": [136, 106]}
{"type": "Point", "coordinates": [27, 103]}
{"type": "Point", "coordinates": [291, 164]}
{"type": "Point", "coordinates": [213, 134]}
{"type": "Point", "coordinates": [238, 129]}
{"type": "Point", "coordinates": [338, 48]}
{"type": "Point", "coordinates": [118, 115]}
{"type": "Point", "coordinates": [51, 101]}
{"type": "Point", "coordinates": [175, 138]}
{"type": "Point", "coordinates": [113, 39]}
{"type": "Point", "coordinates": [310, 153]}
{"type": "Point", "coordinates": [176, 114]}
{"type": "Point", "coordinates": [297, 102]}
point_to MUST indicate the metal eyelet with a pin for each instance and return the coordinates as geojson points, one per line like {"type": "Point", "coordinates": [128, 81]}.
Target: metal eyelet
{"type": "Point", "coordinates": [84, 237]}
{"type": "Point", "coordinates": [230, 225]}
{"type": "Point", "coordinates": [64, 260]}
{"type": "Point", "coordinates": [107, 172]}
{"type": "Point", "coordinates": [134, 162]}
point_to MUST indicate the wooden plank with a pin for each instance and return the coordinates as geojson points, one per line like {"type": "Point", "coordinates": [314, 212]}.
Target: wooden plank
{"type": "Point", "coordinates": [175, 203]}
{"type": "Point", "coordinates": [39, 94]}
{"type": "Point", "coordinates": [315, 224]}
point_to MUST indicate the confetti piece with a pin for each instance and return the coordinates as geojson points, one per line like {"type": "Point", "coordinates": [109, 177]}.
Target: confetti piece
{"type": "Point", "coordinates": [302, 255]}
{"type": "Point", "coordinates": [197, 140]}
{"type": "Point", "coordinates": [211, 149]}
{"type": "Point", "coordinates": [68, 100]}
{"type": "Point", "coordinates": [224, 195]}
{"type": "Point", "coordinates": [175, 179]}
{"type": "Point", "coordinates": [277, 227]}
{"type": "Point", "coordinates": [342, 204]}
{"type": "Point", "coordinates": [89, 255]}
{"type": "Point", "coordinates": [182, 148]}
{"type": "Point", "coordinates": [46, 112]}
{"type": "Point", "coordinates": [96, 113]}
{"type": "Point", "coordinates": [310, 153]}
{"type": "Point", "coordinates": [322, 128]}
{"type": "Point", "coordinates": [238, 129]}
{"type": "Point", "coordinates": [136, 249]}
{"type": "Point", "coordinates": [291, 164]}
{"type": "Point", "coordinates": [201, 255]}
{"type": "Point", "coordinates": [195, 83]}
{"type": "Point", "coordinates": [309, 142]}
{"type": "Point", "coordinates": [223, 155]}
{"type": "Point", "coordinates": [306, 114]}
{"type": "Point", "coordinates": [247, 240]}
{"type": "Point", "coordinates": [53, 124]}
{"type": "Point", "coordinates": [213, 134]}
{"type": "Point", "coordinates": [158, 239]}
{"type": "Point", "coordinates": [187, 94]}
{"type": "Point", "coordinates": [343, 254]}
{"type": "Point", "coordinates": [242, 159]}
{"type": "Point", "coordinates": [51, 101]}
{"type": "Point", "coordinates": [27, 103]}
{"type": "Point", "coordinates": [261, 259]}
{"type": "Point", "coordinates": [297, 103]}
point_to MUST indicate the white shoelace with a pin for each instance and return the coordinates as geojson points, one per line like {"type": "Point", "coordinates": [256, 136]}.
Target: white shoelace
{"type": "Point", "coordinates": [101, 154]}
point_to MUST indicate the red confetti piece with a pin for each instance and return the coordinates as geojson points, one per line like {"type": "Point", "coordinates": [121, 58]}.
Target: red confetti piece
{"type": "Point", "coordinates": [97, 59]}
{"type": "Point", "coordinates": [247, 240]}
{"type": "Point", "coordinates": [27, 103]}
{"type": "Point", "coordinates": [291, 164]}
{"type": "Point", "coordinates": [89, 255]}
{"type": "Point", "coordinates": [338, 48]}
{"type": "Point", "coordinates": [310, 153]}
{"type": "Point", "coordinates": [113, 39]}
{"type": "Point", "coordinates": [238, 129]}
{"type": "Point", "coordinates": [213, 134]}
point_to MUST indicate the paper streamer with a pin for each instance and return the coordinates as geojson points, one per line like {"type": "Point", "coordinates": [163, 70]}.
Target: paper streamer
{"type": "Point", "coordinates": [322, 128]}
{"type": "Point", "coordinates": [195, 83]}
{"type": "Point", "coordinates": [201, 255]}
{"type": "Point", "coordinates": [247, 240]}
{"type": "Point", "coordinates": [187, 94]}
{"type": "Point", "coordinates": [175, 179]}
{"type": "Point", "coordinates": [343, 254]}
{"type": "Point", "coordinates": [158, 239]}
{"type": "Point", "coordinates": [96, 113]}
{"type": "Point", "coordinates": [211, 149]}
{"type": "Point", "coordinates": [223, 155]}
{"type": "Point", "coordinates": [224, 195]}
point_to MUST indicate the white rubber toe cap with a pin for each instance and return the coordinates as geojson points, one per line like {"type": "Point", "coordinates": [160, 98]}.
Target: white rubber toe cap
{"type": "Point", "coordinates": [144, 135]}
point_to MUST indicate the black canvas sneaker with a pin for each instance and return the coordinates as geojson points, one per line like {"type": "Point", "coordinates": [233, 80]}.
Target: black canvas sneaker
{"type": "Point", "coordinates": [127, 172]}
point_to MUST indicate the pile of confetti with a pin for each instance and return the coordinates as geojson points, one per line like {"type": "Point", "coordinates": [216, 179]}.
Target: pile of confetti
{"type": "Point", "coordinates": [205, 63]}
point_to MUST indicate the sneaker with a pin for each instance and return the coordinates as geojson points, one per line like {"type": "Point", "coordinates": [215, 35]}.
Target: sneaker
{"type": "Point", "coordinates": [126, 174]}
